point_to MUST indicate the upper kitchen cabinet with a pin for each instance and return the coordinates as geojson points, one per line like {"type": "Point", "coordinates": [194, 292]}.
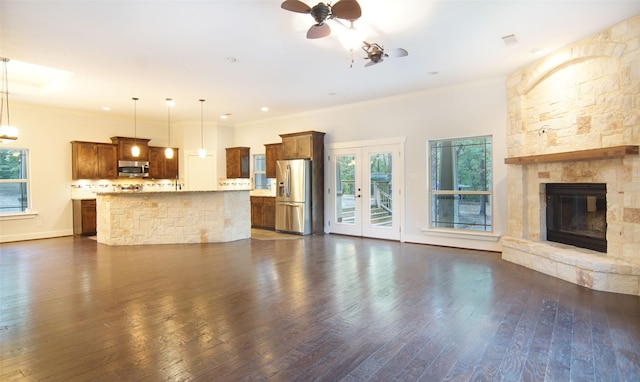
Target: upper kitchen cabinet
{"type": "Point", "coordinates": [91, 160]}
{"type": "Point", "coordinates": [124, 148]}
{"type": "Point", "coordinates": [160, 167]}
{"type": "Point", "coordinates": [237, 162]}
{"type": "Point", "coordinates": [273, 153]}
{"type": "Point", "coordinates": [302, 145]}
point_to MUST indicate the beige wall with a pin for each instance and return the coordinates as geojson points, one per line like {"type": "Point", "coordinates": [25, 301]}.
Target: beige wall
{"type": "Point", "coordinates": [477, 108]}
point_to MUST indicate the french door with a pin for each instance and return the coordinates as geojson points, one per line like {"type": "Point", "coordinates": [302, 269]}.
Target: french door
{"type": "Point", "coordinates": [365, 191]}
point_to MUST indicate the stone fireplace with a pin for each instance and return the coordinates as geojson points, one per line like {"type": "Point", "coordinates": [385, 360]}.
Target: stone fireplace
{"type": "Point", "coordinates": [574, 118]}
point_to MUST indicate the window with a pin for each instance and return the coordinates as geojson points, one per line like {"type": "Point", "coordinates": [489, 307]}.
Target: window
{"type": "Point", "coordinates": [14, 184]}
{"type": "Point", "coordinates": [260, 179]}
{"type": "Point", "coordinates": [460, 183]}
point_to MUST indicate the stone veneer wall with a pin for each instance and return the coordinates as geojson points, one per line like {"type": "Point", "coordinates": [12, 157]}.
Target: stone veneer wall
{"type": "Point", "coordinates": [586, 96]}
{"type": "Point", "coordinates": [173, 217]}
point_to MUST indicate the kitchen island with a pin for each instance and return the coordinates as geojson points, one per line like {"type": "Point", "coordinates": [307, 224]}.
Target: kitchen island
{"type": "Point", "coordinates": [170, 217]}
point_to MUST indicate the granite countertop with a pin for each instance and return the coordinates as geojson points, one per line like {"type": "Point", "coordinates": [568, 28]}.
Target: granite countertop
{"type": "Point", "coordinates": [136, 192]}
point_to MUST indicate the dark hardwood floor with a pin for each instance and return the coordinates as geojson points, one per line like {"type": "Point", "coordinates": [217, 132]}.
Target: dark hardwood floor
{"type": "Point", "coordinates": [322, 307]}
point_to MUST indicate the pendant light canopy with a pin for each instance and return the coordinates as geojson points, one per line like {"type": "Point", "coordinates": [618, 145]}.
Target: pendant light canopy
{"type": "Point", "coordinates": [168, 152]}
{"type": "Point", "coordinates": [7, 132]}
{"type": "Point", "coordinates": [135, 150]}
{"type": "Point", "coordinates": [202, 152]}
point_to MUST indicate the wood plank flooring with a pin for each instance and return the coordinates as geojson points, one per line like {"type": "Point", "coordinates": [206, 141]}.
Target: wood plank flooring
{"type": "Point", "coordinates": [323, 307]}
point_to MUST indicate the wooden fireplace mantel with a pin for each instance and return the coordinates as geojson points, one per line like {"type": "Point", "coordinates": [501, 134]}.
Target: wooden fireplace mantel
{"type": "Point", "coordinates": [602, 153]}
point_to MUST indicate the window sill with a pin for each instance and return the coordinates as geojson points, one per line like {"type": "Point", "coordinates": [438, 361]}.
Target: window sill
{"type": "Point", "coordinates": [18, 215]}
{"type": "Point", "coordinates": [458, 234]}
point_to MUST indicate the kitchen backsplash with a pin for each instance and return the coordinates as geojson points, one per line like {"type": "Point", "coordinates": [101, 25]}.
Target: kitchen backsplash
{"type": "Point", "coordinates": [86, 189]}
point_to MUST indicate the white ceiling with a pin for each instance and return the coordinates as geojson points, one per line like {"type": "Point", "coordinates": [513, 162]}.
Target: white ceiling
{"type": "Point", "coordinates": [118, 49]}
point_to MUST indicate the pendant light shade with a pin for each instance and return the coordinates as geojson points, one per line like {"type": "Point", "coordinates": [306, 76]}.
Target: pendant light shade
{"type": "Point", "coordinates": [135, 150]}
{"type": "Point", "coordinates": [168, 152]}
{"type": "Point", "coordinates": [7, 132]}
{"type": "Point", "coordinates": [202, 152]}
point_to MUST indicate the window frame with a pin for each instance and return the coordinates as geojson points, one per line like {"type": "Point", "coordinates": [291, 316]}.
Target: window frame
{"type": "Point", "coordinates": [256, 172]}
{"type": "Point", "coordinates": [432, 192]}
{"type": "Point", "coordinates": [27, 212]}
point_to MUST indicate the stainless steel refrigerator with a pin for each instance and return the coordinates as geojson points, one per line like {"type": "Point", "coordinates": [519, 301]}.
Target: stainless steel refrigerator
{"type": "Point", "coordinates": [293, 196]}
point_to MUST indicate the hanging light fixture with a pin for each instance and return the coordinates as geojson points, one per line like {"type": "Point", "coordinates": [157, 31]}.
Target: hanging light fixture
{"type": "Point", "coordinates": [7, 132]}
{"type": "Point", "coordinates": [202, 152]}
{"type": "Point", "coordinates": [168, 152]}
{"type": "Point", "coordinates": [135, 150]}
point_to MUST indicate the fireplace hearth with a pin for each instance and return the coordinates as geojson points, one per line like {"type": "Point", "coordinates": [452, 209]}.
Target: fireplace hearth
{"type": "Point", "coordinates": [576, 214]}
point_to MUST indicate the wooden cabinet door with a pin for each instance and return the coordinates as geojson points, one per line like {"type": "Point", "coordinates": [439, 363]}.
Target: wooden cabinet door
{"type": "Point", "coordinates": [237, 162]}
{"type": "Point", "coordinates": [156, 162]}
{"type": "Point", "coordinates": [273, 153]}
{"type": "Point", "coordinates": [171, 165]}
{"type": "Point", "coordinates": [125, 144]}
{"type": "Point", "coordinates": [256, 211]}
{"type": "Point", "coordinates": [269, 213]}
{"type": "Point", "coordinates": [89, 217]}
{"type": "Point", "coordinates": [297, 146]}
{"type": "Point", "coordinates": [107, 160]}
{"type": "Point", "coordinates": [84, 160]}
{"type": "Point", "coordinates": [160, 167]}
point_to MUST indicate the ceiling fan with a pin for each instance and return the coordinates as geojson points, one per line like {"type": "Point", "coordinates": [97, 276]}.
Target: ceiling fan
{"type": "Point", "coordinates": [321, 12]}
{"type": "Point", "coordinates": [376, 54]}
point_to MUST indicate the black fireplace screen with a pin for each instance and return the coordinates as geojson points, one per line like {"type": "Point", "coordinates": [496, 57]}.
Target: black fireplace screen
{"type": "Point", "coordinates": [577, 214]}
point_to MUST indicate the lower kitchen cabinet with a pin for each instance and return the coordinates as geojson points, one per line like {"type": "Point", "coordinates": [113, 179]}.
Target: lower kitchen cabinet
{"type": "Point", "coordinates": [263, 212]}
{"type": "Point", "coordinates": [84, 217]}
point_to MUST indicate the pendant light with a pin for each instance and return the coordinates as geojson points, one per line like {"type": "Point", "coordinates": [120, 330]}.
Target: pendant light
{"type": "Point", "coordinates": [202, 152]}
{"type": "Point", "coordinates": [7, 132]}
{"type": "Point", "coordinates": [168, 152]}
{"type": "Point", "coordinates": [135, 150]}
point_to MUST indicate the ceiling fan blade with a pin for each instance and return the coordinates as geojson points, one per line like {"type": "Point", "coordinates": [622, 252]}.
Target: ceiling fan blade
{"type": "Point", "coordinates": [318, 31]}
{"type": "Point", "coordinates": [371, 63]}
{"type": "Point", "coordinates": [347, 10]}
{"type": "Point", "coordinates": [295, 6]}
{"type": "Point", "coordinates": [398, 52]}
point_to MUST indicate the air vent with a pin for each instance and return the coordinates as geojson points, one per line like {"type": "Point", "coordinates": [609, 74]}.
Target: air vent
{"type": "Point", "coordinates": [510, 40]}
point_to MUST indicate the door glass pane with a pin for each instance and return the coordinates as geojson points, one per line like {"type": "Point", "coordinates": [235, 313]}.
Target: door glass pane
{"type": "Point", "coordinates": [345, 189]}
{"type": "Point", "coordinates": [380, 190]}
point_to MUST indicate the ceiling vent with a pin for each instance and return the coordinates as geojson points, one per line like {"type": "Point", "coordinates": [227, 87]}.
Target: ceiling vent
{"type": "Point", "coordinates": [510, 40]}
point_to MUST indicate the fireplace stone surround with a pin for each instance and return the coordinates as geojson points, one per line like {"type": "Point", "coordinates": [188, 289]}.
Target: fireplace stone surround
{"type": "Point", "coordinates": [574, 117]}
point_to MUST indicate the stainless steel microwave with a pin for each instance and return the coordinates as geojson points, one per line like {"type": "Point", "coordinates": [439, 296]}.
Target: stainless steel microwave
{"type": "Point", "coordinates": [133, 169]}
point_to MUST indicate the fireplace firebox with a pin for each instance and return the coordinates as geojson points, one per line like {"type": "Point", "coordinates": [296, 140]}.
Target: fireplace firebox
{"type": "Point", "coordinates": [577, 214]}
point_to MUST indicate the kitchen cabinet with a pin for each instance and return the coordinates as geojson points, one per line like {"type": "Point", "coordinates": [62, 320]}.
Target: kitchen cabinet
{"type": "Point", "coordinates": [273, 153]}
{"type": "Point", "coordinates": [160, 167]}
{"type": "Point", "coordinates": [125, 144]}
{"type": "Point", "coordinates": [263, 212]}
{"type": "Point", "coordinates": [84, 217]}
{"type": "Point", "coordinates": [90, 160]}
{"type": "Point", "coordinates": [303, 145]}
{"type": "Point", "coordinates": [237, 162]}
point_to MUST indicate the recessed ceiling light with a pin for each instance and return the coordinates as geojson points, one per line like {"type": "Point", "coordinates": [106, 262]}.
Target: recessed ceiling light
{"type": "Point", "coordinates": [433, 73]}
{"type": "Point", "coordinates": [264, 108]}
{"type": "Point", "coordinates": [225, 116]}
{"type": "Point", "coordinates": [231, 59]}
{"type": "Point", "coordinates": [537, 52]}
{"type": "Point", "coordinates": [106, 108]}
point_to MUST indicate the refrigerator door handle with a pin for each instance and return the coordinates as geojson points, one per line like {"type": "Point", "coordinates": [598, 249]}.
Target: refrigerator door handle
{"type": "Point", "coordinates": [287, 181]}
